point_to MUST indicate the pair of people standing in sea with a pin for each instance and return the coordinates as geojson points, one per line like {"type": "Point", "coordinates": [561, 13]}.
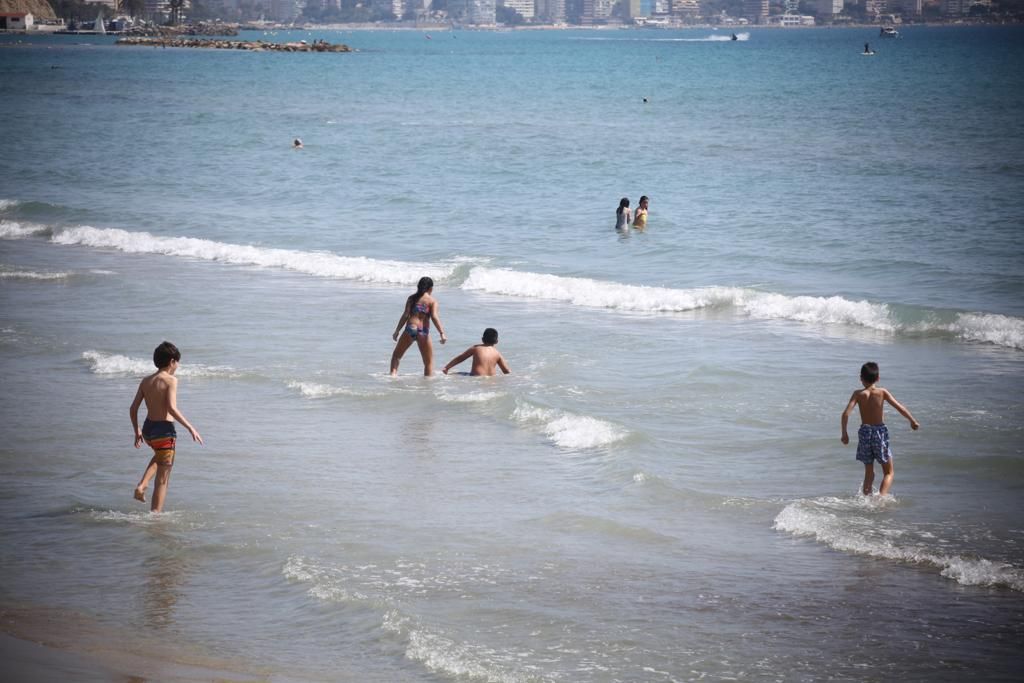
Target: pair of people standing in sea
{"type": "Point", "coordinates": [421, 308]}
{"type": "Point", "coordinates": [624, 216]}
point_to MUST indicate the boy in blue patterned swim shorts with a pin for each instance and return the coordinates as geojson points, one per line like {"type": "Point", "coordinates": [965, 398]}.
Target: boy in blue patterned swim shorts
{"type": "Point", "coordinates": [873, 436]}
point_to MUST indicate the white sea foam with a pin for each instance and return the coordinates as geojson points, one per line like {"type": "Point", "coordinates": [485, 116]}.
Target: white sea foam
{"type": "Point", "coordinates": [567, 430]}
{"type": "Point", "coordinates": [14, 274]}
{"type": "Point", "coordinates": [20, 229]}
{"type": "Point", "coordinates": [316, 390]}
{"type": "Point", "coordinates": [472, 397]}
{"type": "Point", "coordinates": [452, 659]}
{"type": "Point", "coordinates": [996, 329]}
{"type": "Point", "coordinates": [116, 364]}
{"type": "Point", "coordinates": [992, 328]}
{"type": "Point", "coordinates": [841, 525]}
{"type": "Point", "coordinates": [8, 204]}
{"type": "Point", "coordinates": [317, 263]}
{"type": "Point", "coordinates": [588, 292]}
{"type": "Point", "coordinates": [833, 310]}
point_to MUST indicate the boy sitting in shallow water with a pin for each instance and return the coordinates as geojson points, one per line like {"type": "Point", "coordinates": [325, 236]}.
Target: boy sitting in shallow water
{"type": "Point", "coordinates": [485, 356]}
{"type": "Point", "coordinates": [873, 436]}
{"type": "Point", "coordinates": [160, 391]}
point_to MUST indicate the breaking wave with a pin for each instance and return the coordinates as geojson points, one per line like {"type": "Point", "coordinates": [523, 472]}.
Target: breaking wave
{"type": "Point", "coordinates": [116, 364]}
{"type": "Point", "coordinates": [989, 328]}
{"type": "Point", "coordinates": [567, 430]}
{"type": "Point", "coordinates": [318, 263]}
{"type": "Point", "coordinates": [841, 524]}
{"type": "Point", "coordinates": [19, 229]}
{"type": "Point", "coordinates": [996, 329]}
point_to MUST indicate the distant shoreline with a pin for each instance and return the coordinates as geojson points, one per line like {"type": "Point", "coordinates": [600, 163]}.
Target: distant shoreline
{"type": "Point", "coordinates": [397, 26]}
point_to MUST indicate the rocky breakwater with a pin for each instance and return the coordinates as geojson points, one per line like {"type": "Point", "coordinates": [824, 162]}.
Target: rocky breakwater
{"type": "Point", "coordinates": [253, 45]}
{"type": "Point", "coordinates": [202, 28]}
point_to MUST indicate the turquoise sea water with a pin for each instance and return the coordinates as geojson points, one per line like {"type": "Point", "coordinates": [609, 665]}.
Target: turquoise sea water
{"type": "Point", "coordinates": [658, 491]}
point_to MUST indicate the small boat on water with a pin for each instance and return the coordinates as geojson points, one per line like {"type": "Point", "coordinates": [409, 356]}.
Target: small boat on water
{"type": "Point", "coordinates": [889, 32]}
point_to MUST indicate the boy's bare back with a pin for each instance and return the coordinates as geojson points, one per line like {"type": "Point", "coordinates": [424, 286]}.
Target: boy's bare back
{"type": "Point", "coordinates": [158, 390]}
{"type": "Point", "coordinates": [871, 402]}
{"type": "Point", "coordinates": [486, 359]}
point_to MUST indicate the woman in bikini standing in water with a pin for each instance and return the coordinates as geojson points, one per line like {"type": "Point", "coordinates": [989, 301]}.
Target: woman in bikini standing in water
{"type": "Point", "coordinates": [420, 309]}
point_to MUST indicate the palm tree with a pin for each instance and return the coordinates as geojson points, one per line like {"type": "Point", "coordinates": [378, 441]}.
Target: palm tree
{"type": "Point", "coordinates": [176, 10]}
{"type": "Point", "coordinates": [132, 8]}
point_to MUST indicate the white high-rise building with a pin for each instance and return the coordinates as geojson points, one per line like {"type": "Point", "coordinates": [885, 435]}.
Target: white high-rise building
{"type": "Point", "coordinates": [525, 8]}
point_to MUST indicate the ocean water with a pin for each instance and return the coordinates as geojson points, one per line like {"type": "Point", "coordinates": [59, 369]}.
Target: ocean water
{"type": "Point", "coordinates": [658, 492]}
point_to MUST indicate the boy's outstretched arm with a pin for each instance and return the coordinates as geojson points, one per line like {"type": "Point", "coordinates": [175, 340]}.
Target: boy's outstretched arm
{"type": "Point", "coordinates": [172, 408]}
{"type": "Point", "coordinates": [133, 411]}
{"type": "Point", "coordinates": [458, 359]}
{"type": "Point", "coordinates": [914, 424]}
{"type": "Point", "coordinates": [845, 438]}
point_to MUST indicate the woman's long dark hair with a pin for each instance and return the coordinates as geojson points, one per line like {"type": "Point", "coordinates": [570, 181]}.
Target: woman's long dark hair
{"type": "Point", "coordinates": [422, 287]}
{"type": "Point", "coordinates": [623, 204]}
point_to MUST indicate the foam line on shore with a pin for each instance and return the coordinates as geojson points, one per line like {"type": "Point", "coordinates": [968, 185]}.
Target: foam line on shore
{"type": "Point", "coordinates": [387, 587]}
{"type": "Point", "coordinates": [840, 524]}
{"type": "Point", "coordinates": [317, 263]}
{"type": "Point", "coordinates": [8, 273]}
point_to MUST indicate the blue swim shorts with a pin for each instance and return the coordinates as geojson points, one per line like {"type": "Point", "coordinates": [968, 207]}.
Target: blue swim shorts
{"type": "Point", "coordinates": [873, 444]}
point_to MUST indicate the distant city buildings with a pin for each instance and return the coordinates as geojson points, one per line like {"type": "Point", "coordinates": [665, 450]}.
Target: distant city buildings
{"type": "Point", "coordinates": [479, 12]}
{"type": "Point", "coordinates": [907, 8]}
{"type": "Point", "coordinates": [525, 8]}
{"type": "Point", "coordinates": [828, 9]}
{"type": "Point", "coordinates": [551, 11]}
{"type": "Point", "coordinates": [685, 8]}
{"type": "Point", "coordinates": [756, 11]}
{"type": "Point", "coordinates": [640, 8]}
{"type": "Point", "coordinates": [596, 11]}
{"type": "Point", "coordinates": [960, 8]}
{"type": "Point", "coordinates": [875, 8]}
{"type": "Point", "coordinates": [283, 10]}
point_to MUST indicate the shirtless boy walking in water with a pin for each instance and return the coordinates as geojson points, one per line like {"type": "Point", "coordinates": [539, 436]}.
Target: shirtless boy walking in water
{"type": "Point", "coordinates": [485, 357]}
{"type": "Point", "coordinates": [160, 392]}
{"type": "Point", "coordinates": [873, 436]}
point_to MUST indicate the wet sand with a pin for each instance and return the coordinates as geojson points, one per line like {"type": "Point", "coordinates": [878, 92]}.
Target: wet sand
{"type": "Point", "coordinates": [42, 644]}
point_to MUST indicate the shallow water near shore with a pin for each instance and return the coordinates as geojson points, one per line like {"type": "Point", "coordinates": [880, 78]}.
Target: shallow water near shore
{"type": "Point", "coordinates": [658, 491]}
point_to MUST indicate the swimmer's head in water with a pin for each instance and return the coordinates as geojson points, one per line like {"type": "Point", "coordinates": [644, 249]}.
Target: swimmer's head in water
{"type": "Point", "coordinates": [490, 337]}
{"type": "Point", "coordinates": [297, 143]}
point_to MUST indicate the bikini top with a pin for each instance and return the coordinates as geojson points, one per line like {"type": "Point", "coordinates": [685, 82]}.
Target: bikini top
{"type": "Point", "coordinates": [420, 308]}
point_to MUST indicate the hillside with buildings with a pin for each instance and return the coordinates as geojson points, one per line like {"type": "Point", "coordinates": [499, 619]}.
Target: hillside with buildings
{"type": "Point", "coordinates": [650, 13]}
{"type": "Point", "coordinates": [40, 9]}
{"type": "Point", "coordinates": [598, 12]}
